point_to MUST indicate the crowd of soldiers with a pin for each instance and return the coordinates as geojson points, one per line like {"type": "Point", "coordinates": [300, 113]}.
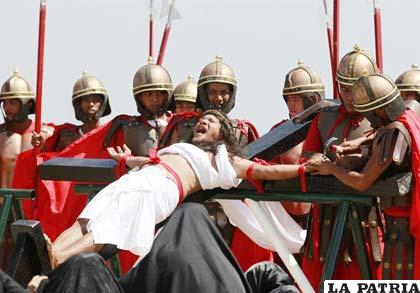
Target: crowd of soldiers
{"type": "Point", "coordinates": [169, 115]}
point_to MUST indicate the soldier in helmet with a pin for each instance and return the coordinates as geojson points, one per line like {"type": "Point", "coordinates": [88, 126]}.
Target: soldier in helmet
{"type": "Point", "coordinates": [346, 125]}
{"type": "Point", "coordinates": [181, 125]}
{"type": "Point", "coordinates": [152, 90]}
{"type": "Point", "coordinates": [90, 102]}
{"type": "Point", "coordinates": [395, 149]}
{"type": "Point", "coordinates": [302, 89]}
{"type": "Point", "coordinates": [17, 102]}
{"type": "Point", "coordinates": [217, 87]}
{"type": "Point", "coordinates": [217, 90]}
{"type": "Point", "coordinates": [185, 96]}
{"type": "Point", "coordinates": [409, 85]}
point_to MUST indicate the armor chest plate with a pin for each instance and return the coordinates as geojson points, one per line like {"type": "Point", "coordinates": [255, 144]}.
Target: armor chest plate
{"type": "Point", "coordinates": [327, 120]}
{"type": "Point", "coordinates": [10, 147]}
{"type": "Point", "coordinates": [66, 138]}
{"type": "Point", "coordinates": [140, 137]}
{"type": "Point", "coordinates": [185, 131]}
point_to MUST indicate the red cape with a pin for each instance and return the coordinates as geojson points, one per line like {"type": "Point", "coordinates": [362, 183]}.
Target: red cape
{"type": "Point", "coordinates": [51, 142]}
{"type": "Point", "coordinates": [56, 206]}
{"type": "Point", "coordinates": [411, 121]}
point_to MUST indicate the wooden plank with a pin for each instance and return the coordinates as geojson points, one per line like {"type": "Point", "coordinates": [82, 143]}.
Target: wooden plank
{"type": "Point", "coordinates": [82, 170]}
{"type": "Point", "coordinates": [286, 135]}
{"type": "Point", "coordinates": [398, 184]}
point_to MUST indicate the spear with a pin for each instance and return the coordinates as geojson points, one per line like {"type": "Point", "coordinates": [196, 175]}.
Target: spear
{"type": "Point", "coordinates": [336, 40]}
{"type": "Point", "coordinates": [171, 15]}
{"type": "Point", "coordinates": [330, 37]}
{"type": "Point", "coordinates": [40, 70]}
{"type": "Point", "coordinates": [151, 28]}
{"type": "Point", "coordinates": [378, 34]}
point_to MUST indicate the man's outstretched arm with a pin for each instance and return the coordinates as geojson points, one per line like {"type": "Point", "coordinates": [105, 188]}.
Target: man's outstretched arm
{"type": "Point", "coordinates": [271, 172]}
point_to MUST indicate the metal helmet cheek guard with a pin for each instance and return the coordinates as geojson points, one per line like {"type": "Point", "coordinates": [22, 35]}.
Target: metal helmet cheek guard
{"type": "Point", "coordinates": [303, 81]}
{"type": "Point", "coordinates": [152, 77]}
{"type": "Point", "coordinates": [377, 91]}
{"type": "Point", "coordinates": [16, 87]}
{"type": "Point", "coordinates": [85, 86]}
{"type": "Point", "coordinates": [216, 72]}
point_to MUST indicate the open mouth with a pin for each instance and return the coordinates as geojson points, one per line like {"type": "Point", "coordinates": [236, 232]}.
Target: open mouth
{"type": "Point", "coordinates": [201, 129]}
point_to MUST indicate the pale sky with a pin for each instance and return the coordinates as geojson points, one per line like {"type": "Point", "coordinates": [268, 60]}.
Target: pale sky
{"type": "Point", "coordinates": [260, 39]}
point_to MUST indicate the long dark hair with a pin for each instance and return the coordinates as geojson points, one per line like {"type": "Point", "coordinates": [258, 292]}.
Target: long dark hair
{"type": "Point", "coordinates": [227, 136]}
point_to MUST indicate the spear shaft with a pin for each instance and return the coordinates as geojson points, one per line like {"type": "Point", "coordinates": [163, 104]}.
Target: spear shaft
{"type": "Point", "coordinates": [336, 40]}
{"type": "Point", "coordinates": [40, 69]}
{"type": "Point", "coordinates": [151, 37]}
{"type": "Point", "coordinates": [330, 40]}
{"type": "Point", "coordinates": [165, 36]}
{"type": "Point", "coordinates": [151, 29]}
{"type": "Point", "coordinates": [378, 35]}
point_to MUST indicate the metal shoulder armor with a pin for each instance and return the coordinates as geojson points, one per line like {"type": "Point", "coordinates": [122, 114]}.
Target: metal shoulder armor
{"type": "Point", "coordinates": [394, 140]}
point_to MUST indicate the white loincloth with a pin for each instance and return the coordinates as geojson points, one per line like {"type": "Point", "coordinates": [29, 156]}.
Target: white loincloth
{"type": "Point", "coordinates": [125, 212]}
{"type": "Point", "coordinates": [241, 216]}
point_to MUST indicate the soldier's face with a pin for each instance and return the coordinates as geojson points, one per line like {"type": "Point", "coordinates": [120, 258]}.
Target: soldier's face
{"type": "Point", "coordinates": [218, 94]}
{"type": "Point", "coordinates": [346, 93]}
{"type": "Point", "coordinates": [90, 105]}
{"type": "Point", "coordinates": [409, 96]}
{"type": "Point", "coordinates": [207, 129]}
{"type": "Point", "coordinates": [295, 105]}
{"type": "Point", "coordinates": [153, 101]}
{"type": "Point", "coordinates": [11, 108]}
{"type": "Point", "coordinates": [184, 106]}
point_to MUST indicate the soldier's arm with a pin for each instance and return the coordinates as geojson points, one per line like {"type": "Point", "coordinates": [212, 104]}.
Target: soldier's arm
{"type": "Point", "coordinates": [351, 146]}
{"type": "Point", "coordinates": [358, 180]}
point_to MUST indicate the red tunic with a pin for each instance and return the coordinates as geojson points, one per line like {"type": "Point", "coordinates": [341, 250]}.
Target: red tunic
{"type": "Point", "coordinates": [411, 121]}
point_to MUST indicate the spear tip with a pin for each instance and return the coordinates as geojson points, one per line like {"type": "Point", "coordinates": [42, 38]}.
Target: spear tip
{"type": "Point", "coordinates": [219, 64]}
{"type": "Point", "coordinates": [300, 63]}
